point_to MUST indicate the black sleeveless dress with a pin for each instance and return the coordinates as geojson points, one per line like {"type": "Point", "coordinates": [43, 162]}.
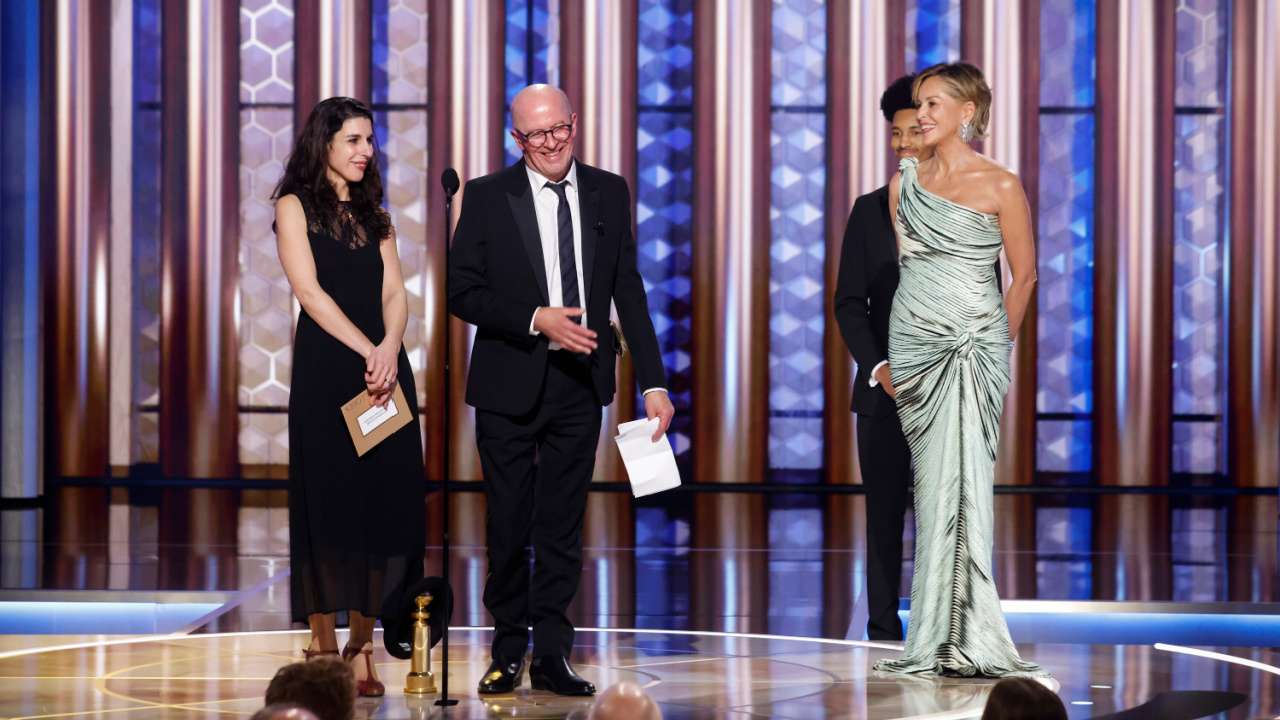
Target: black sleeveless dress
{"type": "Point", "coordinates": [357, 525]}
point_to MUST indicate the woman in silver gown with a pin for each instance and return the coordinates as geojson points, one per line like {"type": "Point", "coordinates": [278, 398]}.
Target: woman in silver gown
{"type": "Point", "coordinates": [950, 336]}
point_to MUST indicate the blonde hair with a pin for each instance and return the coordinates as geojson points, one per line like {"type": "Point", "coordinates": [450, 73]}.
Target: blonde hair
{"type": "Point", "coordinates": [965, 83]}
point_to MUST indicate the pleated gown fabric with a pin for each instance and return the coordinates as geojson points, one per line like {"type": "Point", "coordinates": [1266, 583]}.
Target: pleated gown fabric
{"type": "Point", "coordinates": [949, 359]}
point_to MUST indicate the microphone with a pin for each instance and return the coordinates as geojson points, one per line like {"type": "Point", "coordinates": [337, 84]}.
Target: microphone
{"type": "Point", "coordinates": [449, 179]}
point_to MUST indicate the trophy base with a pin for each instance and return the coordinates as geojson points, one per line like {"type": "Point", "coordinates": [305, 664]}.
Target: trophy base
{"type": "Point", "coordinates": [419, 684]}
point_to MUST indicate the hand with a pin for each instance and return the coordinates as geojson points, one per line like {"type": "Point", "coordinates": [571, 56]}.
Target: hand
{"type": "Point", "coordinates": [379, 396]}
{"type": "Point", "coordinates": [381, 366]}
{"type": "Point", "coordinates": [554, 322]}
{"type": "Point", "coordinates": [882, 377]}
{"type": "Point", "coordinates": [658, 405]}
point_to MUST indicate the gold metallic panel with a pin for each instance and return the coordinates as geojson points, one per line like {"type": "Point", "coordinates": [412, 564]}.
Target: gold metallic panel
{"type": "Point", "coordinates": [1133, 294]}
{"type": "Point", "coordinates": [1133, 307]}
{"type": "Point", "coordinates": [121, 341]}
{"type": "Point", "coordinates": [1011, 64]}
{"type": "Point", "coordinates": [844, 540]}
{"type": "Point", "coordinates": [436, 317]}
{"type": "Point", "coordinates": [598, 37]}
{"type": "Point", "coordinates": [198, 417]}
{"type": "Point", "coordinates": [731, 240]}
{"type": "Point", "coordinates": [1253, 374]}
{"type": "Point", "coordinates": [607, 594]}
{"type": "Point", "coordinates": [76, 219]}
{"type": "Point", "coordinates": [346, 39]}
{"type": "Point", "coordinates": [1266, 188]}
{"type": "Point", "coordinates": [478, 122]}
{"type": "Point", "coordinates": [857, 143]}
{"type": "Point", "coordinates": [730, 533]}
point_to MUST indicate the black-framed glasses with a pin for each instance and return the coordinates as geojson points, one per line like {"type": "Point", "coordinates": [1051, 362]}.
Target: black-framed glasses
{"type": "Point", "coordinates": [538, 138]}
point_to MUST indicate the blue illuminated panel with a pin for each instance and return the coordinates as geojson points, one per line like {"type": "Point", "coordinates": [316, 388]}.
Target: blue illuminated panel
{"type": "Point", "coordinates": [1064, 377]}
{"type": "Point", "coordinates": [529, 50]}
{"type": "Point", "coordinates": [1200, 181]}
{"type": "Point", "coordinates": [664, 192]}
{"type": "Point", "coordinates": [145, 226]}
{"type": "Point", "coordinates": [798, 238]}
{"type": "Point", "coordinates": [662, 570]}
{"type": "Point", "coordinates": [933, 33]}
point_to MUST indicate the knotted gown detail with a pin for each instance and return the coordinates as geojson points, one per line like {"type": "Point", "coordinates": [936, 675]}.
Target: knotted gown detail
{"type": "Point", "coordinates": [949, 360]}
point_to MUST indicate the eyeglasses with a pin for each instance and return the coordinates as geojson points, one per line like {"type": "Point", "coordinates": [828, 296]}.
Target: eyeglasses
{"type": "Point", "coordinates": [538, 138]}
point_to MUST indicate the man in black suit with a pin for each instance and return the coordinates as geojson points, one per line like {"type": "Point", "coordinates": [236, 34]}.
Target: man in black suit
{"type": "Point", "coordinates": [865, 287]}
{"type": "Point", "coordinates": [541, 250]}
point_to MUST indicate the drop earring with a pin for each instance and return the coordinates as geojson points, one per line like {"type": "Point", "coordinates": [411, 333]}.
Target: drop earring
{"type": "Point", "coordinates": [965, 131]}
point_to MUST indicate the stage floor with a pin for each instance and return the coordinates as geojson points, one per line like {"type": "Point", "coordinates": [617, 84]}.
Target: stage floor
{"type": "Point", "coordinates": [692, 675]}
{"type": "Point", "coordinates": [159, 603]}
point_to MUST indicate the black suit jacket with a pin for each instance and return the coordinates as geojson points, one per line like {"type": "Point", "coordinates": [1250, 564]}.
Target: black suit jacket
{"type": "Point", "coordinates": [498, 278]}
{"type": "Point", "coordinates": [865, 286]}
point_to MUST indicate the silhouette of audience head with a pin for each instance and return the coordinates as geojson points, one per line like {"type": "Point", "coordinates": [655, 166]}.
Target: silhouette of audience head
{"type": "Point", "coordinates": [325, 686]}
{"type": "Point", "coordinates": [625, 701]}
{"type": "Point", "coordinates": [1023, 699]}
{"type": "Point", "coordinates": [284, 711]}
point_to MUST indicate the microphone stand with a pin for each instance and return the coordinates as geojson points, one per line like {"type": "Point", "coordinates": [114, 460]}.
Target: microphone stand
{"type": "Point", "coordinates": [449, 189]}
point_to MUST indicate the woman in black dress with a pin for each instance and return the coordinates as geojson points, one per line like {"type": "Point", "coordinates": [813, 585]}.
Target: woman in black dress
{"type": "Point", "coordinates": [356, 524]}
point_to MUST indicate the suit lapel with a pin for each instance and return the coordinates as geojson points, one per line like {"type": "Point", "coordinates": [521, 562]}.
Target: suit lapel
{"type": "Point", "coordinates": [520, 197]}
{"type": "Point", "coordinates": [589, 213]}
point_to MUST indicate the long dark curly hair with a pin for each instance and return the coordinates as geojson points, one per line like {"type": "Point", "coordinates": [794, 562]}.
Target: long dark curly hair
{"type": "Point", "coordinates": [305, 170]}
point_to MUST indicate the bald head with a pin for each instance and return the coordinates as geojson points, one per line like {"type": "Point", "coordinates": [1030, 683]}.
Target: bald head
{"type": "Point", "coordinates": [537, 100]}
{"type": "Point", "coordinates": [625, 701]}
{"type": "Point", "coordinates": [540, 113]}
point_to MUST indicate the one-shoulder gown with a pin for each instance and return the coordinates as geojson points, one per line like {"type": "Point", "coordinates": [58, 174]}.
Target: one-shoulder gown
{"type": "Point", "coordinates": [949, 360]}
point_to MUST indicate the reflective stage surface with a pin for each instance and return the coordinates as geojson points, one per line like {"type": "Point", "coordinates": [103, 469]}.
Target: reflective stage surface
{"type": "Point", "coordinates": [664, 581]}
{"type": "Point", "coordinates": [692, 675]}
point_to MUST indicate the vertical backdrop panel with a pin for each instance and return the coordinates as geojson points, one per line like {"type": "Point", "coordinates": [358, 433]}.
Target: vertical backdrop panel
{"type": "Point", "coordinates": [76, 221]}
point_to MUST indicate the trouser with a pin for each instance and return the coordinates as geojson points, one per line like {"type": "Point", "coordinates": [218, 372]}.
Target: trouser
{"type": "Point", "coordinates": [885, 460]}
{"type": "Point", "coordinates": [537, 472]}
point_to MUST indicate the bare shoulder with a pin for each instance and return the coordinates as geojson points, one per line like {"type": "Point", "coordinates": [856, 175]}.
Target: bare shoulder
{"type": "Point", "coordinates": [289, 214]}
{"type": "Point", "coordinates": [1005, 182]}
{"type": "Point", "coordinates": [288, 203]}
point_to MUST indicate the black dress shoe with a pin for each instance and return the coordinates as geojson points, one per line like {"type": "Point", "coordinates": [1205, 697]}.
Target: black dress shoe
{"type": "Point", "coordinates": [552, 672]}
{"type": "Point", "coordinates": [503, 676]}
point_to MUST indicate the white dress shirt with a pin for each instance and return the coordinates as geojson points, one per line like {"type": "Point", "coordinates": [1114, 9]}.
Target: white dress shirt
{"type": "Point", "coordinates": [546, 204]}
{"type": "Point", "coordinates": [872, 381]}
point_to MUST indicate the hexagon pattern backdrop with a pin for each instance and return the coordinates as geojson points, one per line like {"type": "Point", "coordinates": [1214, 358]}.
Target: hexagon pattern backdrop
{"type": "Point", "coordinates": [1065, 334]}
{"type": "Point", "coordinates": [664, 196]}
{"type": "Point", "coordinates": [266, 300]}
{"type": "Point", "coordinates": [1064, 381]}
{"type": "Point", "coordinates": [399, 89]}
{"type": "Point", "coordinates": [145, 221]}
{"type": "Point", "coordinates": [1200, 182]}
{"type": "Point", "coordinates": [937, 33]}
{"type": "Point", "coordinates": [798, 238]}
{"type": "Point", "coordinates": [531, 54]}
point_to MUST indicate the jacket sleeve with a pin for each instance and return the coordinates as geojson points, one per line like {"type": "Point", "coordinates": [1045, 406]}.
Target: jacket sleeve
{"type": "Point", "coordinates": [471, 295]}
{"type": "Point", "coordinates": [633, 307]}
{"type": "Point", "coordinates": [852, 311]}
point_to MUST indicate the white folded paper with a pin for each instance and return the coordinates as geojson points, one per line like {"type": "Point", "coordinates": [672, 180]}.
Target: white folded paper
{"type": "Point", "coordinates": [650, 465]}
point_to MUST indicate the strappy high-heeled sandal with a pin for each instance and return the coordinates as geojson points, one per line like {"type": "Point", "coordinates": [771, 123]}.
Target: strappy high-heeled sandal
{"type": "Point", "coordinates": [310, 654]}
{"type": "Point", "coordinates": [370, 686]}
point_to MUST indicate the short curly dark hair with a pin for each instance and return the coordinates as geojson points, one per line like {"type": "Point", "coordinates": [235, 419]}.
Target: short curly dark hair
{"type": "Point", "coordinates": [325, 686]}
{"type": "Point", "coordinates": [898, 97]}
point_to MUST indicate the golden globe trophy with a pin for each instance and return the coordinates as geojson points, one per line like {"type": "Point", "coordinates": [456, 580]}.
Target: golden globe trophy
{"type": "Point", "coordinates": [420, 681]}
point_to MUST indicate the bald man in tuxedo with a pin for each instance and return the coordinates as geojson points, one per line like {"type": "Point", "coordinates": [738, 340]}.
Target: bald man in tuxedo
{"type": "Point", "coordinates": [542, 249]}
